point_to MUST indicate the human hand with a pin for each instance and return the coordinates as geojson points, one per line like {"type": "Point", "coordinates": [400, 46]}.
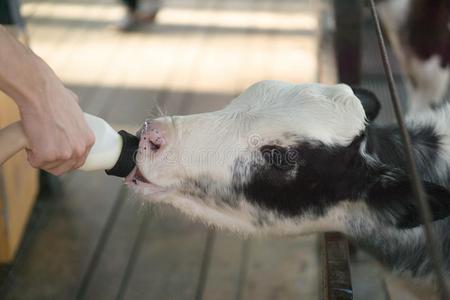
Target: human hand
{"type": "Point", "coordinates": [58, 136]}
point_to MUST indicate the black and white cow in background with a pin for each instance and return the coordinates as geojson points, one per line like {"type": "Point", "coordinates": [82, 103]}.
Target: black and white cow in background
{"type": "Point", "coordinates": [287, 158]}
{"type": "Point", "coordinates": [419, 31]}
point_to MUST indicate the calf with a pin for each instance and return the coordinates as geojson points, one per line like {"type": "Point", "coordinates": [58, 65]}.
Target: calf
{"type": "Point", "coordinates": [287, 158]}
{"type": "Point", "coordinates": [419, 31]}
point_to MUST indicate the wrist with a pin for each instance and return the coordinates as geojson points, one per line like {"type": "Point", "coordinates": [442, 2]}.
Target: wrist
{"type": "Point", "coordinates": [25, 78]}
{"type": "Point", "coordinates": [31, 90]}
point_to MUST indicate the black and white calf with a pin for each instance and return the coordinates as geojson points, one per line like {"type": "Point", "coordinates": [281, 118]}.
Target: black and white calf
{"type": "Point", "coordinates": [419, 31]}
{"type": "Point", "coordinates": [283, 158]}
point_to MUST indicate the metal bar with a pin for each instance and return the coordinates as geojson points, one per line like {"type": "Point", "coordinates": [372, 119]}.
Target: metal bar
{"type": "Point", "coordinates": [336, 277]}
{"type": "Point", "coordinates": [418, 189]}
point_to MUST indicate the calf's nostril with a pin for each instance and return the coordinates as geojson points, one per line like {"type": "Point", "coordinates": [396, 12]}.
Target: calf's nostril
{"type": "Point", "coordinates": [154, 146]}
{"type": "Point", "coordinates": [152, 140]}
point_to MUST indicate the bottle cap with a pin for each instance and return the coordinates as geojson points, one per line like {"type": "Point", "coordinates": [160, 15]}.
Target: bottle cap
{"type": "Point", "coordinates": [127, 158]}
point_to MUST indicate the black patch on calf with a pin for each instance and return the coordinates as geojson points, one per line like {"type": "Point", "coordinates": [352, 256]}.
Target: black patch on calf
{"type": "Point", "coordinates": [280, 158]}
{"type": "Point", "coordinates": [385, 143]}
{"type": "Point", "coordinates": [393, 200]}
{"type": "Point", "coordinates": [392, 195]}
{"type": "Point", "coordinates": [323, 175]}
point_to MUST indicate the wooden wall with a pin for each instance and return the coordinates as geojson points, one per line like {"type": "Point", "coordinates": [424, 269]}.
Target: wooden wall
{"type": "Point", "coordinates": [18, 189]}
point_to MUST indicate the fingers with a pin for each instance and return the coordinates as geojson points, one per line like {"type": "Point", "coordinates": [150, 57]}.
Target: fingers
{"type": "Point", "coordinates": [62, 168]}
{"type": "Point", "coordinates": [59, 138]}
{"type": "Point", "coordinates": [55, 167]}
{"type": "Point", "coordinates": [62, 160]}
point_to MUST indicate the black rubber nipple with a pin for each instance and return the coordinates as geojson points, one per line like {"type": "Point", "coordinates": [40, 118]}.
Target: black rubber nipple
{"type": "Point", "coordinates": [127, 158]}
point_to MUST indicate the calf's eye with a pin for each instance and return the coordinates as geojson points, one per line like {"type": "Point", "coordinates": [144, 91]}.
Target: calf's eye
{"type": "Point", "coordinates": [280, 158]}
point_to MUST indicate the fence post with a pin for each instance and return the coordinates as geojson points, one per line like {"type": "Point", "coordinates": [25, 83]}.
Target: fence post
{"type": "Point", "coordinates": [336, 278]}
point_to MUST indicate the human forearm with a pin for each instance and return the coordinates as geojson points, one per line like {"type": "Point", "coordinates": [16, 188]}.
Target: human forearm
{"type": "Point", "coordinates": [22, 73]}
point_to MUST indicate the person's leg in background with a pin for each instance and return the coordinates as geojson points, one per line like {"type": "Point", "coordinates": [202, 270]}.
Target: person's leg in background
{"type": "Point", "coordinates": [136, 16]}
{"type": "Point", "coordinates": [131, 5]}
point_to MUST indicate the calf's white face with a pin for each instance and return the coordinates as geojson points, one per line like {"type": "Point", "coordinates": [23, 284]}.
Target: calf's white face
{"type": "Point", "coordinates": [266, 162]}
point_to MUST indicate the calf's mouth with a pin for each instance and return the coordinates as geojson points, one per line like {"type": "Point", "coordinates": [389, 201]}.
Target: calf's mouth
{"type": "Point", "coordinates": [137, 177]}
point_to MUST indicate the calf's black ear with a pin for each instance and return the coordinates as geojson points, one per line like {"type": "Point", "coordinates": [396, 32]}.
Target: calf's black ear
{"type": "Point", "coordinates": [395, 203]}
{"type": "Point", "coordinates": [369, 102]}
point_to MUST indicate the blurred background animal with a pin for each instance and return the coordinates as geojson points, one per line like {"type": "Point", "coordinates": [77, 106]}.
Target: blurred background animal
{"type": "Point", "coordinates": [419, 31]}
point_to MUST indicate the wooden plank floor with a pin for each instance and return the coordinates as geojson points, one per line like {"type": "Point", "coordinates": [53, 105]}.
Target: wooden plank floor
{"type": "Point", "coordinates": [98, 241]}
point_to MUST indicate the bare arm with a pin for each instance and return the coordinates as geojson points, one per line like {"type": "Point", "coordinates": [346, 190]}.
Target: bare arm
{"type": "Point", "coordinates": [52, 119]}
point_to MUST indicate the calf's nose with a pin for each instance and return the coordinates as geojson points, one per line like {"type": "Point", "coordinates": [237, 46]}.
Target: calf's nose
{"type": "Point", "coordinates": [152, 137]}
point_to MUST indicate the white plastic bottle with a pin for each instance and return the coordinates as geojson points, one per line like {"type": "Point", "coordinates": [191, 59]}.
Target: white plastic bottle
{"type": "Point", "coordinates": [113, 151]}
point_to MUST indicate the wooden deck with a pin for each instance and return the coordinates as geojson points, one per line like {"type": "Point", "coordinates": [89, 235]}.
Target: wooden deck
{"type": "Point", "coordinates": [98, 241]}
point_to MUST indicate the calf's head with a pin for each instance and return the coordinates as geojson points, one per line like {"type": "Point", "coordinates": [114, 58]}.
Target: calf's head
{"type": "Point", "coordinates": [281, 157]}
